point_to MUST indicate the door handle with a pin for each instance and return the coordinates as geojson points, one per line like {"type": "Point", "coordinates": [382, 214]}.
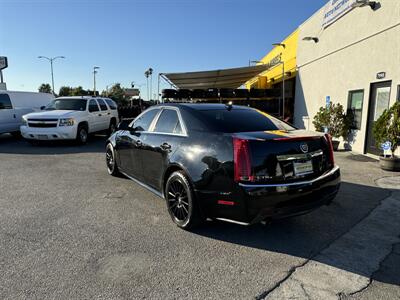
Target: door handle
{"type": "Point", "coordinates": [108, 113]}
{"type": "Point", "coordinates": [165, 147]}
{"type": "Point", "coordinates": [15, 116]}
{"type": "Point", "coordinates": [99, 115]}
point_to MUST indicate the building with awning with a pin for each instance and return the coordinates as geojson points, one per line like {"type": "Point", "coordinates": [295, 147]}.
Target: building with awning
{"type": "Point", "coordinates": [220, 79]}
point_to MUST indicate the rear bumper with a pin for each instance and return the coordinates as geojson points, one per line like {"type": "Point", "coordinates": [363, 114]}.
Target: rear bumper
{"type": "Point", "coordinates": [254, 203]}
{"type": "Point", "coordinates": [53, 133]}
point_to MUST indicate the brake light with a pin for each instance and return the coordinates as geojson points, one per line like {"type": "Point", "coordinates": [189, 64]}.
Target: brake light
{"type": "Point", "coordinates": [330, 146]}
{"type": "Point", "coordinates": [242, 160]}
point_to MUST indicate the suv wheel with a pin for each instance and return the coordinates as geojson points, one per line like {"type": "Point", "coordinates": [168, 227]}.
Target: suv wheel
{"type": "Point", "coordinates": [82, 134]}
{"type": "Point", "coordinates": [181, 203]}
{"type": "Point", "coordinates": [112, 166]}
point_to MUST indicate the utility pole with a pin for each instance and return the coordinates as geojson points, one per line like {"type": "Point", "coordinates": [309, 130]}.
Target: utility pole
{"type": "Point", "coordinates": [51, 67]}
{"type": "Point", "coordinates": [94, 79]}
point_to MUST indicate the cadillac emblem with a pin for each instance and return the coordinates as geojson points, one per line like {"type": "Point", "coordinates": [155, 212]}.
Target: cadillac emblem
{"type": "Point", "coordinates": [304, 147]}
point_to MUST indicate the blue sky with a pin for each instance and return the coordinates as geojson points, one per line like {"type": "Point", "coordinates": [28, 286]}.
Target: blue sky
{"type": "Point", "coordinates": [126, 37]}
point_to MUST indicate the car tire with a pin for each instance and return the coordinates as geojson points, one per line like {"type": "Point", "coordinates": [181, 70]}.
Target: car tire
{"type": "Point", "coordinates": [112, 128]}
{"type": "Point", "coordinates": [82, 135]}
{"type": "Point", "coordinates": [16, 134]}
{"type": "Point", "coordinates": [181, 202]}
{"type": "Point", "coordinates": [112, 167]}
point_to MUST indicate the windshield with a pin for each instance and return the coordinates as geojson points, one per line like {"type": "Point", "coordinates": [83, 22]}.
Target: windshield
{"type": "Point", "coordinates": [67, 104]}
{"type": "Point", "coordinates": [243, 120]}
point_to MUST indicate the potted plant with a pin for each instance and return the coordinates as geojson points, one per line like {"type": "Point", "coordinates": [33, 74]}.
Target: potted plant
{"type": "Point", "coordinates": [386, 130]}
{"type": "Point", "coordinates": [332, 118]}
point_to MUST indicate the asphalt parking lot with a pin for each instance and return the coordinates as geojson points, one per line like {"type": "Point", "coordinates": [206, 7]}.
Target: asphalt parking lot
{"type": "Point", "coordinates": [69, 230]}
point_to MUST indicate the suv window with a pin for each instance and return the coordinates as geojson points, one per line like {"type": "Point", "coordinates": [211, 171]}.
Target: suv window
{"type": "Point", "coordinates": [242, 120]}
{"type": "Point", "coordinates": [5, 102]}
{"type": "Point", "coordinates": [102, 104]}
{"type": "Point", "coordinates": [143, 122]}
{"type": "Point", "coordinates": [111, 104]}
{"type": "Point", "coordinates": [93, 106]}
{"type": "Point", "coordinates": [168, 122]}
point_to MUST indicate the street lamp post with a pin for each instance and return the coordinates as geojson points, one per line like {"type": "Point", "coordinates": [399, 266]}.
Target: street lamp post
{"type": "Point", "coordinates": [51, 66]}
{"type": "Point", "coordinates": [283, 79]}
{"type": "Point", "coordinates": [94, 79]}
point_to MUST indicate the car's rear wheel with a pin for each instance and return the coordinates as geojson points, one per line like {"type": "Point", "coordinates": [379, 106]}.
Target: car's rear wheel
{"type": "Point", "coordinates": [82, 134]}
{"type": "Point", "coordinates": [181, 202]}
{"type": "Point", "coordinates": [112, 166]}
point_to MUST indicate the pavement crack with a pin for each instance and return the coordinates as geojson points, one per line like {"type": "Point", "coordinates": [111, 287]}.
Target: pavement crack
{"type": "Point", "coordinates": [340, 295]}
{"type": "Point", "coordinates": [372, 275]}
{"type": "Point", "coordinates": [293, 269]}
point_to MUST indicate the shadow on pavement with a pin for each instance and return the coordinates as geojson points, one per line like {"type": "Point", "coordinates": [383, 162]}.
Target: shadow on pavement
{"type": "Point", "coordinates": [11, 145]}
{"type": "Point", "coordinates": [307, 235]}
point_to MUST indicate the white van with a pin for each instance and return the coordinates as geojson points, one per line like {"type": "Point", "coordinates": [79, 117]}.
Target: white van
{"type": "Point", "coordinates": [13, 105]}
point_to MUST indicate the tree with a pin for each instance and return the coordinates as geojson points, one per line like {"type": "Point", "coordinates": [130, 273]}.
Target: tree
{"type": "Point", "coordinates": [79, 91]}
{"type": "Point", "coordinates": [65, 91]}
{"type": "Point", "coordinates": [387, 127]}
{"type": "Point", "coordinates": [45, 88]}
{"type": "Point", "coordinates": [332, 118]}
{"type": "Point", "coordinates": [117, 93]}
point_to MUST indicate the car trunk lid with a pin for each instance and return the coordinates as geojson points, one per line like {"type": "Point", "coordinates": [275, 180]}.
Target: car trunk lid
{"type": "Point", "coordinates": [281, 156]}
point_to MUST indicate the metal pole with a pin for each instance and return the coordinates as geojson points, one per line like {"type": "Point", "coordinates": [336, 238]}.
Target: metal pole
{"type": "Point", "coordinates": [283, 89]}
{"type": "Point", "coordinates": [94, 82]}
{"type": "Point", "coordinates": [158, 88]}
{"type": "Point", "coordinates": [151, 85]}
{"type": "Point", "coordinates": [52, 74]}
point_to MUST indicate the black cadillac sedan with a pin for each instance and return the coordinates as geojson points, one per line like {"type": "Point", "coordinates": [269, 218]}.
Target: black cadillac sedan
{"type": "Point", "coordinates": [225, 162]}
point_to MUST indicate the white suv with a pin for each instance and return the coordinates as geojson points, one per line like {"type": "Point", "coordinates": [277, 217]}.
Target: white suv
{"type": "Point", "coordinates": [71, 118]}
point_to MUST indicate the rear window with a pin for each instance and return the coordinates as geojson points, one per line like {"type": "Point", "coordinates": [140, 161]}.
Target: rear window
{"type": "Point", "coordinates": [242, 120]}
{"type": "Point", "coordinates": [111, 104]}
{"type": "Point", "coordinates": [102, 104]}
{"type": "Point", "coordinates": [5, 102]}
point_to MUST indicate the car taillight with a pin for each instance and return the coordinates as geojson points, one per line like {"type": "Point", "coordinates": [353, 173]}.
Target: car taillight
{"type": "Point", "coordinates": [242, 160]}
{"type": "Point", "coordinates": [330, 146]}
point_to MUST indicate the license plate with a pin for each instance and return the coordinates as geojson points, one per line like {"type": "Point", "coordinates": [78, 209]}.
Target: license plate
{"type": "Point", "coordinates": [302, 168]}
{"type": "Point", "coordinates": [43, 137]}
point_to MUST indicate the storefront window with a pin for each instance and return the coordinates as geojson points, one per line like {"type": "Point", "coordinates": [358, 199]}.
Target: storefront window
{"type": "Point", "coordinates": [355, 106]}
{"type": "Point", "coordinates": [398, 93]}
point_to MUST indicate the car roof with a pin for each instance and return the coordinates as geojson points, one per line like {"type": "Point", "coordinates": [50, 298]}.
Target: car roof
{"type": "Point", "coordinates": [83, 97]}
{"type": "Point", "coordinates": [203, 106]}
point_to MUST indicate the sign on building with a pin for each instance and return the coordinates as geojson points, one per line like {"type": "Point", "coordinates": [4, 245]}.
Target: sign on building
{"type": "Point", "coordinates": [3, 62]}
{"type": "Point", "coordinates": [132, 92]}
{"type": "Point", "coordinates": [335, 9]}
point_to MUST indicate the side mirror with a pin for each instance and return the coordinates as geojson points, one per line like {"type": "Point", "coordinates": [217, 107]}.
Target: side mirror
{"type": "Point", "coordinates": [124, 125]}
{"type": "Point", "coordinates": [42, 107]}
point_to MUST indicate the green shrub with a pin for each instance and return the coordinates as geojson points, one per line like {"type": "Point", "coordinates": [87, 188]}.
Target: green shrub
{"type": "Point", "coordinates": [333, 118]}
{"type": "Point", "coordinates": [387, 127]}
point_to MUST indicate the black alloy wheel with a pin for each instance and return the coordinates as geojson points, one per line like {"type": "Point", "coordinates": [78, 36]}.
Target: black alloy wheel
{"type": "Point", "coordinates": [112, 167]}
{"type": "Point", "coordinates": [180, 201]}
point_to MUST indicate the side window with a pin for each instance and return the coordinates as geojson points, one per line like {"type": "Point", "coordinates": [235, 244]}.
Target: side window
{"type": "Point", "coordinates": [168, 122]}
{"type": "Point", "coordinates": [102, 104]}
{"type": "Point", "coordinates": [111, 104]}
{"type": "Point", "coordinates": [143, 122]}
{"type": "Point", "coordinates": [355, 106]}
{"type": "Point", "coordinates": [93, 107]}
{"type": "Point", "coordinates": [5, 102]}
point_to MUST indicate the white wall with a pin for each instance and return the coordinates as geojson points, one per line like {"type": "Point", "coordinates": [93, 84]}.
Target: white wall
{"type": "Point", "coordinates": [348, 57]}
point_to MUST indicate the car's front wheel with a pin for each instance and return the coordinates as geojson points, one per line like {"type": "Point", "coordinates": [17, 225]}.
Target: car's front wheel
{"type": "Point", "coordinates": [112, 166]}
{"type": "Point", "coordinates": [82, 135]}
{"type": "Point", "coordinates": [181, 202]}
